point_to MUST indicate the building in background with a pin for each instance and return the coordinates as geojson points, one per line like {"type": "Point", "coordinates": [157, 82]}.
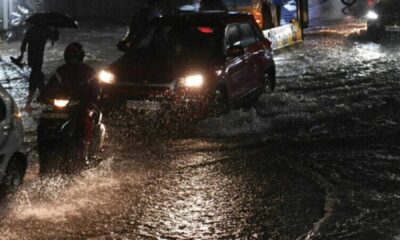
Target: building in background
{"type": "Point", "coordinates": [14, 12]}
{"type": "Point", "coordinates": [107, 10]}
{"type": "Point", "coordinates": [4, 14]}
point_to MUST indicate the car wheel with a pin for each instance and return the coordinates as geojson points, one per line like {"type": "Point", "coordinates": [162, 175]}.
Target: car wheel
{"type": "Point", "coordinates": [13, 178]}
{"type": "Point", "coordinates": [219, 103]}
{"type": "Point", "coordinates": [349, 2]}
{"type": "Point", "coordinates": [269, 82]}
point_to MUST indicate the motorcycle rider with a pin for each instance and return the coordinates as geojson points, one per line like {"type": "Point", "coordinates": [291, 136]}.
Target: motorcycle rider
{"type": "Point", "coordinates": [78, 80]}
{"type": "Point", "coordinates": [74, 76]}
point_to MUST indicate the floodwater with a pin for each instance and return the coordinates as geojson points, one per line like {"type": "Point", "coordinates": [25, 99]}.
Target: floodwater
{"type": "Point", "coordinates": [317, 159]}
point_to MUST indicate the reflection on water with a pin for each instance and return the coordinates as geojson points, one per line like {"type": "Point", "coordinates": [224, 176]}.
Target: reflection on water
{"type": "Point", "coordinates": [59, 198]}
{"type": "Point", "coordinates": [328, 155]}
{"type": "Point", "coordinates": [368, 52]}
{"type": "Point", "coordinates": [236, 196]}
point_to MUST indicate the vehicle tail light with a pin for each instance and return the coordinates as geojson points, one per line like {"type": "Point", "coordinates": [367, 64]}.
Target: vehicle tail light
{"type": "Point", "coordinates": [206, 30]}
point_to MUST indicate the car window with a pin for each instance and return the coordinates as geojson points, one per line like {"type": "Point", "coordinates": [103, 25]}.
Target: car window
{"type": "Point", "coordinates": [180, 39]}
{"type": "Point", "coordinates": [259, 34]}
{"type": "Point", "coordinates": [3, 110]}
{"type": "Point", "coordinates": [248, 35]}
{"type": "Point", "coordinates": [232, 37]}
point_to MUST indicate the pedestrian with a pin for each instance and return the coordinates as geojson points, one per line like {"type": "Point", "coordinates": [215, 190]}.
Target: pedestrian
{"type": "Point", "coordinates": [139, 25]}
{"type": "Point", "coordinates": [35, 40]}
{"type": "Point", "coordinates": [278, 7]}
{"type": "Point", "coordinates": [213, 5]}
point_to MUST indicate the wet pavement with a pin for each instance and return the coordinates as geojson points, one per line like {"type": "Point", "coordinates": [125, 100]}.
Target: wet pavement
{"type": "Point", "coordinates": [318, 159]}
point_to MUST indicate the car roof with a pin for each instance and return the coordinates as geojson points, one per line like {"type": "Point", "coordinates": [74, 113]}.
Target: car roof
{"type": "Point", "coordinates": [209, 17]}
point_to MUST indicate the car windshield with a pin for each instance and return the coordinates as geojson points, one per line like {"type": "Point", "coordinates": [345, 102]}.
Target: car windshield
{"type": "Point", "coordinates": [180, 39]}
{"type": "Point", "coordinates": [234, 4]}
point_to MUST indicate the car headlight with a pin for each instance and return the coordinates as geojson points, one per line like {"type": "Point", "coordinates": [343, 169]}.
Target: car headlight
{"type": "Point", "coordinates": [106, 77]}
{"type": "Point", "coordinates": [192, 81]}
{"type": "Point", "coordinates": [61, 103]}
{"type": "Point", "coordinates": [371, 15]}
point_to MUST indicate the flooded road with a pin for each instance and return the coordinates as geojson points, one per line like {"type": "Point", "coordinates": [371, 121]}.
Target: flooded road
{"type": "Point", "coordinates": [318, 159]}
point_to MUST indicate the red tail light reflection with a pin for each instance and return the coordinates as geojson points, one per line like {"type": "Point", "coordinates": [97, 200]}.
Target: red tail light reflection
{"type": "Point", "coordinates": [206, 30]}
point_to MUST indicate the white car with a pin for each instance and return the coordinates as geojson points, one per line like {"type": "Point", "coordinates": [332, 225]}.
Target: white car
{"type": "Point", "coordinates": [13, 158]}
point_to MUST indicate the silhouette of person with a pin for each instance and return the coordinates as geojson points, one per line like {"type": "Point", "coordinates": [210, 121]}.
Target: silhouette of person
{"type": "Point", "coordinates": [35, 40]}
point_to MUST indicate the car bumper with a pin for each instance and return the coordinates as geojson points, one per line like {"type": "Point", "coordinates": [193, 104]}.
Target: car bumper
{"type": "Point", "coordinates": [156, 100]}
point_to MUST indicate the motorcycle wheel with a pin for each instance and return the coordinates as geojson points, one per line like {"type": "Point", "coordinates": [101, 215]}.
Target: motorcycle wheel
{"type": "Point", "coordinates": [51, 161]}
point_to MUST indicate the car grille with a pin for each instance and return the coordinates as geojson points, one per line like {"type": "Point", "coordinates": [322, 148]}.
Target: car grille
{"type": "Point", "coordinates": [137, 92]}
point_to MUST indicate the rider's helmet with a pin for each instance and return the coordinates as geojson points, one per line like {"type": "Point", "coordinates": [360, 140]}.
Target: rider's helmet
{"type": "Point", "coordinates": [74, 53]}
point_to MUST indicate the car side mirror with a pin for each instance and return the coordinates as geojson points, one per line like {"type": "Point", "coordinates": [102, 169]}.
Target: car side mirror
{"type": "Point", "coordinates": [234, 51]}
{"type": "Point", "coordinates": [123, 45]}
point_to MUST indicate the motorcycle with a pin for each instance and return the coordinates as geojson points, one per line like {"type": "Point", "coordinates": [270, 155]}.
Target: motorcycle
{"type": "Point", "coordinates": [70, 134]}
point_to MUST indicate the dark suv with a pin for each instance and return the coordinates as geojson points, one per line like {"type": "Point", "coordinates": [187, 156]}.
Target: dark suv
{"type": "Point", "coordinates": [191, 61]}
{"type": "Point", "coordinates": [383, 17]}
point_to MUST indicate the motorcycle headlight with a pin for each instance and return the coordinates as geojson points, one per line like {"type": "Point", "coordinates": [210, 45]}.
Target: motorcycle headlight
{"type": "Point", "coordinates": [61, 103]}
{"type": "Point", "coordinates": [106, 77]}
{"type": "Point", "coordinates": [371, 15]}
{"type": "Point", "coordinates": [192, 81]}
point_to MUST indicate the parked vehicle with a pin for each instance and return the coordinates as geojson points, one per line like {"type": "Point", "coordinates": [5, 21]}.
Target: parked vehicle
{"type": "Point", "coordinates": [70, 134]}
{"type": "Point", "coordinates": [383, 17]}
{"type": "Point", "coordinates": [13, 158]}
{"type": "Point", "coordinates": [195, 62]}
{"type": "Point", "coordinates": [262, 11]}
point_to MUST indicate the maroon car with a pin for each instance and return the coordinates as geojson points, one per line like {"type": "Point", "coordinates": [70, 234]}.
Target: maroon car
{"type": "Point", "coordinates": [192, 62]}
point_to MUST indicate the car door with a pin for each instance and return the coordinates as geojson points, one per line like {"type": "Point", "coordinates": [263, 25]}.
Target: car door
{"type": "Point", "coordinates": [253, 51]}
{"type": "Point", "coordinates": [236, 67]}
{"type": "Point", "coordinates": [5, 127]}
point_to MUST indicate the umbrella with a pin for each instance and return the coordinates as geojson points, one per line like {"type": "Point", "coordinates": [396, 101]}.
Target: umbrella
{"type": "Point", "coordinates": [53, 19]}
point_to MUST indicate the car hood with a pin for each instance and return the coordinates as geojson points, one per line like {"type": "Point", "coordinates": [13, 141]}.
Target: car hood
{"type": "Point", "coordinates": [161, 69]}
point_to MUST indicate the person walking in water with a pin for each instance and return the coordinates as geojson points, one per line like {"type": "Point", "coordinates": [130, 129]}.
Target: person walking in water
{"type": "Point", "coordinates": [35, 40]}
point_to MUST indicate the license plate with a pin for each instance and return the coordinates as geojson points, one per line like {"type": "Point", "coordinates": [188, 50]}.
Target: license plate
{"type": "Point", "coordinates": [392, 28]}
{"type": "Point", "coordinates": [54, 116]}
{"type": "Point", "coordinates": [144, 105]}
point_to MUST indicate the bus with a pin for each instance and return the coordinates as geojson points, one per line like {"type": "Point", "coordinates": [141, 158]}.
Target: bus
{"type": "Point", "coordinates": [269, 15]}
